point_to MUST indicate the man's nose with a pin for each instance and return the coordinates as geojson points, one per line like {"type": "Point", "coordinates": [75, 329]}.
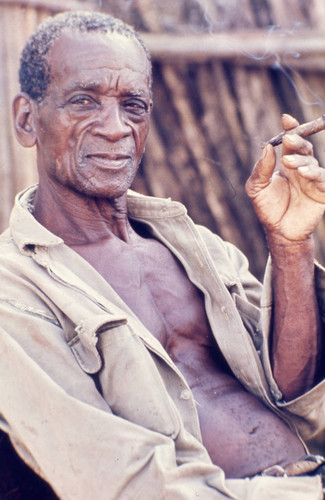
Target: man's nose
{"type": "Point", "coordinates": [110, 123]}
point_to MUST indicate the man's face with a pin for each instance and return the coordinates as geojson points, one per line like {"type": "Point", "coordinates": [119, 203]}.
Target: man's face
{"type": "Point", "coordinates": [93, 123]}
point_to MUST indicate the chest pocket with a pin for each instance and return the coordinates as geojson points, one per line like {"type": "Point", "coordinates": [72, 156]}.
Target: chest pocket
{"type": "Point", "coordinates": [132, 385]}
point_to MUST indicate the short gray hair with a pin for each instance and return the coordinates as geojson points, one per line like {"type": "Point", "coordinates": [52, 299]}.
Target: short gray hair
{"type": "Point", "coordinates": [34, 71]}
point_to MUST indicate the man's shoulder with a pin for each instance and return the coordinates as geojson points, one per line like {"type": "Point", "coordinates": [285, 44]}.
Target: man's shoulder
{"type": "Point", "coordinates": [12, 261]}
{"type": "Point", "coordinates": [7, 244]}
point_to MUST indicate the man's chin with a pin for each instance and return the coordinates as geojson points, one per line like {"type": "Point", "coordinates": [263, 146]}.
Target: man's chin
{"type": "Point", "coordinates": [103, 192]}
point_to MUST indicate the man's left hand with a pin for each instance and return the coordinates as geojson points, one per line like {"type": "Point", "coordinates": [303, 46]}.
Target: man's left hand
{"type": "Point", "coordinates": [291, 201]}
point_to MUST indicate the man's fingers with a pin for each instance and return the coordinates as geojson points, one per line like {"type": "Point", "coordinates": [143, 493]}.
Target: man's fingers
{"type": "Point", "coordinates": [289, 122]}
{"type": "Point", "coordinates": [296, 143]}
{"type": "Point", "coordinates": [295, 161]}
{"type": "Point", "coordinates": [262, 172]}
{"type": "Point", "coordinates": [293, 142]}
{"type": "Point", "coordinates": [312, 173]}
{"type": "Point", "coordinates": [312, 177]}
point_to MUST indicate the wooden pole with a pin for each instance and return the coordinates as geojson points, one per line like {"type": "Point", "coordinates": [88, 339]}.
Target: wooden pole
{"type": "Point", "coordinates": [52, 5]}
{"type": "Point", "coordinates": [302, 50]}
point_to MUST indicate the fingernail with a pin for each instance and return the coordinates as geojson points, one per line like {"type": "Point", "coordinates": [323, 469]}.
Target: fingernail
{"type": "Point", "coordinates": [264, 153]}
{"type": "Point", "coordinates": [288, 158]}
{"type": "Point", "coordinates": [290, 139]}
{"type": "Point", "coordinates": [303, 169]}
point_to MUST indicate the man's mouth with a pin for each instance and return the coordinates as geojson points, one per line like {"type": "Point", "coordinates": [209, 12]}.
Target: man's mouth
{"type": "Point", "coordinates": [109, 160]}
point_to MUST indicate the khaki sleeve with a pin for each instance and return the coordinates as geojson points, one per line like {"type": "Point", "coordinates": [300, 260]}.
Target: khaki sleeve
{"type": "Point", "coordinates": [308, 410]}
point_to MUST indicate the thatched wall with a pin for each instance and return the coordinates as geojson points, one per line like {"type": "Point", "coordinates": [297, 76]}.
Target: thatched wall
{"type": "Point", "coordinates": [224, 74]}
{"type": "Point", "coordinates": [224, 71]}
{"type": "Point", "coordinates": [18, 19]}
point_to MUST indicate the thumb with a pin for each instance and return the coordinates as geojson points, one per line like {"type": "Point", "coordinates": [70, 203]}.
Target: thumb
{"type": "Point", "coordinates": [262, 172]}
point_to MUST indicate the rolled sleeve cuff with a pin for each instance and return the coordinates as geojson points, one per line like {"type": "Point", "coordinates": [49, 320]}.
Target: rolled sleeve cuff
{"type": "Point", "coordinates": [308, 410]}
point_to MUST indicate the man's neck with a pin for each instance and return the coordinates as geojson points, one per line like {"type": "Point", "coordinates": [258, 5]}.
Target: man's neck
{"type": "Point", "coordinates": [79, 219]}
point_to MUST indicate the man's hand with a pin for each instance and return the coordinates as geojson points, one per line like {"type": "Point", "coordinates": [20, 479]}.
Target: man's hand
{"type": "Point", "coordinates": [291, 201]}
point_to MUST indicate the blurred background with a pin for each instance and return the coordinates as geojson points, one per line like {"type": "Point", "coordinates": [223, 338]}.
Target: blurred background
{"type": "Point", "coordinates": [224, 72]}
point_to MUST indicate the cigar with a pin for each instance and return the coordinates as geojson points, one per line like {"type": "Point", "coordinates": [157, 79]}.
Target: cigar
{"type": "Point", "coordinates": [304, 130]}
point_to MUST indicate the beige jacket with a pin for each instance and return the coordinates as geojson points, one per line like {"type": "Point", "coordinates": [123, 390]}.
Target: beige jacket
{"type": "Point", "coordinates": [65, 333]}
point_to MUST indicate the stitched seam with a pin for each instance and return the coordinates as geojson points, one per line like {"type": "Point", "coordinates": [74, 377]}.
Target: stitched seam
{"type": "Point", "coordinates": [16, 304]}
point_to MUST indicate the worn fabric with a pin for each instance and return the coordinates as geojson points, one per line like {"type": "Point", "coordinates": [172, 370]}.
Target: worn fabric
{"type": "Point", "coordinates": [89, 397]}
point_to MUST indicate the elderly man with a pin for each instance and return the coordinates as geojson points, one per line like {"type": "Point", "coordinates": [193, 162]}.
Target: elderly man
{"type": "Point", "coordinates": [134, 363]}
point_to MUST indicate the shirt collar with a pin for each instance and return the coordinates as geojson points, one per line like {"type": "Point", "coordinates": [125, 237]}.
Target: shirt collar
{"type": "Point", "coordinates": [28, 232]}
{"type": "Point", "coordinates": [149, 207]}
{"type": "Point", "coordinates": [25, 229]}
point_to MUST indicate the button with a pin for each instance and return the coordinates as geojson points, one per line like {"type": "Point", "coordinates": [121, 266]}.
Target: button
{"type": "Point", "coordinates": [185, 394]}
{"type": "Point", "coordinates": [224, 311]}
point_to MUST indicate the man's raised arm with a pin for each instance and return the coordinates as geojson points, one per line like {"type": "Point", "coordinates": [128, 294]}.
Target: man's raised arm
{"type": "Point", "coordinates": [290, 203]}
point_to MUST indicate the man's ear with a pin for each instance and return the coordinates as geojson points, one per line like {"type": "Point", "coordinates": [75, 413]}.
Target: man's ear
{"type": "Point", "coordinates": [24, 109]}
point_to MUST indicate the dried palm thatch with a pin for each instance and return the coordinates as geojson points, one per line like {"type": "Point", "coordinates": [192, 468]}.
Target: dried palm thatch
{"type": "Point", "coordinates": [224, 72]}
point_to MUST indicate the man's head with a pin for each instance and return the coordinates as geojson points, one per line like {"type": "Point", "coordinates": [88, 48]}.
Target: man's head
{"type": "Point", "coordinates": [87, 107]}
{"type": "Point", "coordinates": [34, 71]}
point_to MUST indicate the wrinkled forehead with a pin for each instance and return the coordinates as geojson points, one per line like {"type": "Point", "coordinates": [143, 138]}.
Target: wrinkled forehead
{"type": "Point", "coordinates": [93, 54]}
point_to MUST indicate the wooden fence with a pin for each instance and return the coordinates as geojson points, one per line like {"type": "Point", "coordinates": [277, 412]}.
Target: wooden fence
{"type": "Point", "coordinates": [18, 19]}
{"type": "Point", "coordinates": [217, 97]}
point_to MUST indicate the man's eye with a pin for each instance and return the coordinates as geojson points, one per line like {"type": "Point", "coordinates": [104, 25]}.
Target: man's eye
{"type": "Point", "coordinates": [82, 100]}
{"type": "Point", "coordinates": [136, 106]}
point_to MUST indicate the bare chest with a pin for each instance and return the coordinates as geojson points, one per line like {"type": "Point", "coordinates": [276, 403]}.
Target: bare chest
{"type": "Point", "coordinates": [154, 285]}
